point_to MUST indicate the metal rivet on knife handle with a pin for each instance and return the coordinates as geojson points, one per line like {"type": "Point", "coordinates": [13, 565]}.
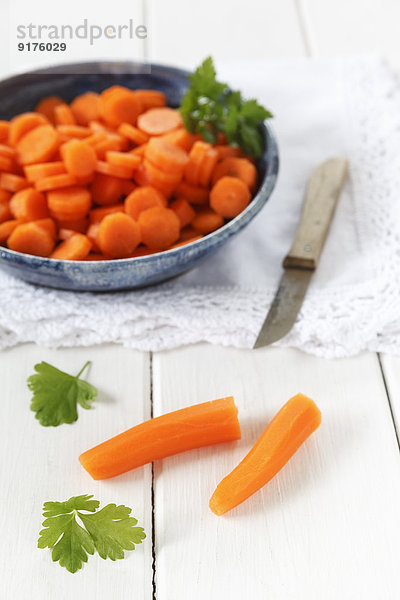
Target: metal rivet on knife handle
{"type": "Point", "coordinates": [322, 194]}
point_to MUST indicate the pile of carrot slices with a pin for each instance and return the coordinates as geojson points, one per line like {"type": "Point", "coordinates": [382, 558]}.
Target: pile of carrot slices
{"type": "Point", "coordinates": [113, 175]}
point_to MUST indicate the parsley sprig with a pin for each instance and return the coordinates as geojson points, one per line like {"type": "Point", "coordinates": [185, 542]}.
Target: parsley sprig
{"type": "Point", "coordinates": [110, 531]}
{"type": "Point", "coordinates": [209, 107]}
{"type": "Point", "coordinates": [56, 394]}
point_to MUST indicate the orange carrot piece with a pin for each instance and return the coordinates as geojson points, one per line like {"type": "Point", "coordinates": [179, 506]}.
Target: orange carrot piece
{"type": "Point", "coordinates": [86, 107]}
{"type": "Point", "coordinates": [123, 159]}
{"type": "Point", "coordinates": [133, 133]}
{"type": "Point", "coordinates": [72, 203]}
{"type": "Point", "coordinates": [159, 177]}
{"type": "Point", "coordinates": [228, 152]}
{"type": "Point", "coordinates": [166, 156]}
{"type": "Point", "coordinates": [74, 131]}
{"type": "Point", "coordinates": [22, 124]}
{"type": "Point", "coordinates": [185, 429]}
{"type": "Point", "coordinates": [207, 167]}
{"type": "Point", "coordinates": [40, 171]}
{"type": "Point", "coordinates": [4, 130]}
{"type": "Point", "coordinates": [207, 221]}
{"type": "Point", "coordinates": [119, 105]}
{"type": "Point", "coordinates": [241, 168]}
{"type": "Point", "coordinates": [47, 105]}
{"type": "Point", "coordinates": [109, 143]}
{"type": "Point", "coordinates": [229, 197]}
{"type": "Point", "coordinates": [92, 233]}
{"type": "Point", "coordinates": [38, 145]}
{"type": "Point", "coordinates": [49, 225]}
{"type": "Point", "coordinates": [79, 158]}
{"type": "Point", "coordinates": [158, 121]}
{"type": "Point", "coordinates": [143, 198]}
{"type": "Point", "coordinates": [13, 183]}
{"type": "Point", "coordinates": [191, 193]}
{"type": "Point", "coordinates": [77, 247]}
{"type": "Point", "coordinates": [31, 238]}
{"type": "Point", "coordinates": [6, 229]}
{"type": "Point", "coordinates": [290, 427]}
{"type": "Point", "coordinates": [160, 227]}
{"type": "Point", "coordinates": [63, 115]}
{"type": "Point", "coordinates": [140, 150]}
{"type": "Point", "coordinates": [29, 205]}
{"type": "Point", "coordinates": [181, 137]}
{"type": "Point", "coordinates": [106, 189]}
{"type": "Point", "coordinates": [96, 138]}
{"type": "Point", "coordinates": [77, 225]}
{"type": "Point", "coordinates": [118, 235]}
{"type": "Point", "coordinates": [55, 182]}
{"type": "Point", "coordinates": [113, 170]}
{"type": "Point", "coordinates": [183, 211]}
{"type": "Point", "coordinates": [5, 212]}
{"type": "Point", "coordinates": [150, 99]}
{"type": "Point", "coordinates": [7, 164]}
{"type": "Point", "coordinates": [7, 151]}
{"type": "Point", "coordinates": [97, 214]}
{"type": "Point", "coordinates": [196, 158]}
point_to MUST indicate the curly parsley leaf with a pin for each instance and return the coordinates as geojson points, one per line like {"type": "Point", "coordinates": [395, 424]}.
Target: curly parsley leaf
{"type": "Point", "coordinates": [209, 107]}
{"type": "Point", "coordinates": [110, 531]}
{"type": "Point", "coordinates": [57, 394]}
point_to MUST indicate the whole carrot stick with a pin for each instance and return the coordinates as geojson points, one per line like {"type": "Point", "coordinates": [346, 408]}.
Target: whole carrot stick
{"type": "Point", "coordinates": [192, 427]}
{"type": "Point", "coordinates": [290, 427]}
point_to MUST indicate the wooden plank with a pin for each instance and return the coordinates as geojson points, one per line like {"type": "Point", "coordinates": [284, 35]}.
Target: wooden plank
{"type": "Point", "coordinates": [391, 371]}
{"type": "Point", "coordinates": [353, 26]}
{"type": "Point", "coordinates": [326, 527]}
{"type": "Point", "coordinates": [183, 34]}
{"type": "Point", "coordinates": [40, 464]}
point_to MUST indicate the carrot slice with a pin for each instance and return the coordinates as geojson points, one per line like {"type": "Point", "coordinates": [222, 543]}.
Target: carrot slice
{"type": "Point", "coordinates": [119, 105]}
{"type": "Point", "coordinates": [196, 158]}
{"type": "Point", "coordinates": [47, 105]}
{"type": "Point", "coordinates": [141, 199]}
{"type": "Point", "coordinates": [86, 107]}
{"type": "Point", "coordinates": [158, 121]}
{"type": "Point", "coordinates": [13, 183]}
{"type": "Point", "coordinates": [140, 150]}
{"type": "Point", "coordinates": [41, 171]}
{"type": "Point", "coordinates": [236, 167]}
{"type": "Point", "coordinates": [109, 143]}
{"type": "Point", "coordinates": [31, 238]}
{"type": "Point", "coordinates": [63, 115]}
{"type": "Point", "coordinates": [161, 178]}
{"type": "Point", "coordinates": [160, 227]}
{"type": "Point", "coordinates": [22, 124]}
{"type": "Point", "coordinates": [118, 235]}
{"type": "Point", "coordinates": [229, 197]}
{"type": "Point", "coordinates": [6, 229]}
{"type": "Point", "coordinates": [96, 138]}
{"type": "Point", "coordinates": [150, 99]}
{"type": "Point", "coordinates": [290, 427]}
{"type": "Point", "coordinates": [207, 166]}
{"type": "Point", "coordinates": [106, 189]}
{"type": "Point", "coordinates": [193, 194]}
{"type": "Point", "coordinates": [38, 145]}
{"type": "Point", "coordinates": [55, 182]}
{"type": "Point", "coordinates": [92, 233]}
{"type": "Point", "coordinates": [113, 170]}
{"type": "Point", "coordinates": [73, 131]}
{"type": "Point", "coordinates": [133, 133]}
{"type": "Point", "coordinates": [181, 137]}
{"type": "Point", "coordinates": [166, 156]}
{"type": "Point", "coordinates": [4, 130]}
{"type": "Point", "coordinates": [183, 211]}
{"type": "Point", "coordinates": [7, 151]}
{"type": "Point", "coordinates": [69, 203]}
{"type": "Point", "coordinates": [79, 158]}
{"type": "Point", "coordinates": [77, 247]}
{"type": "Point", "coordinates": [207, 221]}
{"type": "Point", "coordinates": [192, 427]}
{"type": "Point", "coordinates": [97, 214]}
{"type": "Point", "coordinates": [48, 225]}
{"type": "Point", "coordinates": [123, 159]}
{"type": "Point", "coordinates": [5, 212]}
{"type": "Point", "coordinates": [29, 205]}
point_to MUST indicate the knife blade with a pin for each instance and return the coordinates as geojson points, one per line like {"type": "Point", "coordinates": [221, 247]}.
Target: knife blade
{"type": "Point", "coordinates": [323, 190]}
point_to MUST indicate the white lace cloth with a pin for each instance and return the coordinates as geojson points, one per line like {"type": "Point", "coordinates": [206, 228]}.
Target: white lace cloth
{"type": "Point", "coordinates": [322, 108]}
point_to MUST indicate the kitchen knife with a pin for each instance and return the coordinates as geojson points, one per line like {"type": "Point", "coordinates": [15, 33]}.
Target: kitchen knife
{"type": "Point", "coordinates": [323, 190]}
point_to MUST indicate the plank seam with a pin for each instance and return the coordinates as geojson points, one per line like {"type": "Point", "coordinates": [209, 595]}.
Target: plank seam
{"type": "Point", "coordinates": [389, 399]}
{"type": "Point", "coordinates": [305, 29]}
{"type": "Point", "coordinates": [153, 520]}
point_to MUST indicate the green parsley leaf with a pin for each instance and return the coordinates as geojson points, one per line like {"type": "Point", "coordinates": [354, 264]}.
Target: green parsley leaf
{"type": "Point", "coordinates": [56, 394]}
{"type": "Point", "coordinates": [209, 107]}
{"type": "Point", "coordinates": [110, 531]}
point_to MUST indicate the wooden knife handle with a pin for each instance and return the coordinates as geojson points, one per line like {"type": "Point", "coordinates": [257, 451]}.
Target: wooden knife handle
{"type": "Point", "coordinates": [322, 194]}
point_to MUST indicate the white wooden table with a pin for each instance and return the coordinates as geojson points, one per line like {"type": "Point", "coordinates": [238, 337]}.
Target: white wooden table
{"type": "Point", "coordinates": [328, 526]}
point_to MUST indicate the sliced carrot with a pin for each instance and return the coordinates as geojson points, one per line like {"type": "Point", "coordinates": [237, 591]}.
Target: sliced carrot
{"type": "Point", "coordinates": [38, 145]}
{"type": "Point", "coordinates": [4, 130]}
{"type": "Point", "coordinates": [181, 137]}
{"type": "Point", "coordinates": [118, 235]}
{"type": "Point", "coordinates": [48, 225]}
{"type": "Point", "coordinates": [188, 241]}
{"type": "Point", "coordinates": [96, 138]}
{"type": "Point", "coordinates": [229, 197]}
{"type": "Point", "coordinates": [69, 203]}
{"type": "Point", "coordinates": [290, 427]}
{"type": "Point", "coordinates": [7, 164]}
{"type": "Point", "coordinates": [140, 150]}
{"type": "Point", "coordinates": [133, 133]}
{"type": "Point", "coordinates": [191, 193]}
{"type": "Point", "coordinates": [5, 212]}
{"type": "Point", "coordinates": [6, 229]}
{"type": "Point", "coordinates": [73, 131]}
{"type": "Point", "coordinates": [141, 199]}
{"type": "Point", "coordinates": [183, 211]}
{"type": "Point", "coordinates": [77, 247]}
{"type": "Point", "coordinates": [113, 170]}
{"type": "Point", "coordinates": [47, 105]}
{"type": "Point", "coordinates": [160, 178]}
{"type": "Point", "coordinates": [106, 189]}
{"type": "Point", "coordinates": [160, 227]}
{"type": "Point", "coordinates": [196, 157]}
{"type": "Point", "coordinates": [119, 105]}
{"type": "Point", "coordinates": [13, 183]}
{"type": "Point", "coordinates": [30, 238]}
{"type": "Point", "coordinates": [158, 121]}
{"type": "Point", "coordinates": [207, 167]}
{"type": "Point", "coordinates": [63, 115]}
{"type": "Point", "coordinates": [123, 159]}
{"type": "Point", "coordinates": [236, 167]}
{"type": "Point", "coordinates": [7, 151]}
{"type": "Point", "coordinates": [97, 214]}
{"type": "Point", "coordinates": [92, 233]}
{"type": "Point", "coordinates": [192, 427]}
{"type": "Point", "coordinates": [207, 221]}
{"type": "Point", "coordinates": [79, 158]}
{"type": "Point", "coordinates": [77, 225]}
{"type": "Point", "coordinates": [41, 171]}
{"type": "Point", "coordinates": [29, 205]}
{"type": "Point", "coordinates": [150, 99]}
{"type": "Point", "coordinates": [22, 124]}
{"type": "Point", "coordinates": [166, 156]}
{"type": "Point", "coordinates": [86, 107]}
{"type": "Point", "coordinates": [109, 143]}
{"type": "Point", "coordinates": [56, 182]}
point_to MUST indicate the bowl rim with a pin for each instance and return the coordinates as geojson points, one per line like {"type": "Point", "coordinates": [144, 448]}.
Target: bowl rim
{"type": "Point", "coordinates": [267, 184]}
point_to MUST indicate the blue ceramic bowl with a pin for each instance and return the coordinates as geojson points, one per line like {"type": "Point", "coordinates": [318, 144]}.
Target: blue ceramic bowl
{"type": "Point", "coordinates": [22, 92]}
